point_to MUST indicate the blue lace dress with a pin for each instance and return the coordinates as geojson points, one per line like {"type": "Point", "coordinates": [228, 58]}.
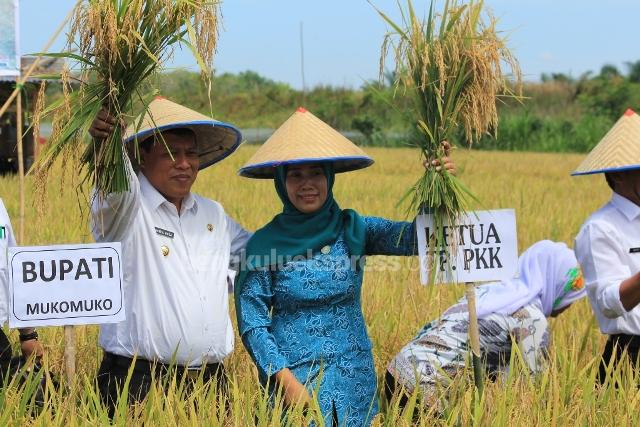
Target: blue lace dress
{"type": "Point", "coordinates": [307, 317]}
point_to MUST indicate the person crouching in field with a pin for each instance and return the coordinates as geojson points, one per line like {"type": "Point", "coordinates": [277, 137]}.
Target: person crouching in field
{"type": "Point", "coordinates": [29, 343]}
{"type": "Point", "coordinates": [608, 244]}
{"type": "Point", "coordinates": [176, 249]}
{"type": "Point", "coordinates": [515, 311]}
{"type": "Point", "coordinates": [298, 294]}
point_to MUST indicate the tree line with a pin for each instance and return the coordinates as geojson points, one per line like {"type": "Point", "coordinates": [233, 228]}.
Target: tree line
{"type": "Point", "coordinates": [560, 113]}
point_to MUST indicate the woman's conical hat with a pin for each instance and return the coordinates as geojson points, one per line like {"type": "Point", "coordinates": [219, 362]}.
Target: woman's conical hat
{"type": "Point", "coordinates": [215, 140]}
{"type": "Point", "coordinates": [304, 138]}
{"type": "Point", "coordinates": [618, 151]}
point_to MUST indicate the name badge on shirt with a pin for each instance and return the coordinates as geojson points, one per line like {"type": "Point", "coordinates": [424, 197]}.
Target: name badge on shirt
{"type": "Point", "coordinates": [163, 232]}
{"type": "Point", "coordinates": [634, 250]}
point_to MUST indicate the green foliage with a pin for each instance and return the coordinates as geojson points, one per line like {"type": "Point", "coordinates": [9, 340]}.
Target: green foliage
{"type": "Point", "coordinates": [526, 131]}
{"type": "Point", "coordinates": [608, 95]}
{"type": "Point", "coordinates": [634, 71]}
{"type": "Point", "coordinates": [368, 127]}
{"type": "Point", "coordinates": [246, 99]}
{"type": "Point", "coordinates": [560, 114]}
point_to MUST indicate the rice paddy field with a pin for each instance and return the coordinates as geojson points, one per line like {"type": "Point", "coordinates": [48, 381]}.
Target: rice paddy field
{"type": "Point", "coordinates": [549, 205]}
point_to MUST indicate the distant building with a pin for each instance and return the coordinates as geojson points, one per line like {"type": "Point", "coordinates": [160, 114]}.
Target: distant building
{"type": "Point", "coordinates": [8, 121]}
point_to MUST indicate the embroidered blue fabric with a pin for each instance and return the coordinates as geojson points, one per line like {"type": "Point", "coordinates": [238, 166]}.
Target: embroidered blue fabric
{"type": "Point", "coordinates": [307, 317]}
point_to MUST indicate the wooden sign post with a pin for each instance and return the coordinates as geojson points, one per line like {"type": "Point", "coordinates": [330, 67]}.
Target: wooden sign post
{"type": "Point", "coordinates": [486, 250]}
{"type": "Point", "coordinates": [20, 165]}
{"type": "Point", "coordinates": [474, 338]}
{"type": "Point", "coordinates": [70, 354]}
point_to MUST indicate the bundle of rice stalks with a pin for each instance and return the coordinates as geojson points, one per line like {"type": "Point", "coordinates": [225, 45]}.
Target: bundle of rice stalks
{"type": "Point", "coordinates": [117, 46]}
{"type": "Point", "coordinates": [451, 66]}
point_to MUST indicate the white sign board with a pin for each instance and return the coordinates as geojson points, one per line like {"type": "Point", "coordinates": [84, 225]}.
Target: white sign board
{"type": "Point", "coordinates": [65, 285]}
{"type": "Point", "coordinates": [9, 39]}
{"type": "Point", "coordinates": [487, 247]}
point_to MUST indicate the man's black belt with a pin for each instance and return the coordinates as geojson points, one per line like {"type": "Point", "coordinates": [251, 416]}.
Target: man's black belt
{"type": "Point", "coordinates": [148, 366]}
{"type": "Point", "coordinates": [624, 340]}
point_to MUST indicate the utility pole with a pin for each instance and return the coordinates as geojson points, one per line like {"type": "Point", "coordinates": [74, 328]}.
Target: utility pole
{"type": "Point", "coordinates": [304, 84]}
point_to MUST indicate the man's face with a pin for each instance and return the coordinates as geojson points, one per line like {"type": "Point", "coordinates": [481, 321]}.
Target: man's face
{"type": "Point", "coordinates": [627, 184]}
{"type": "Point", "coordinates": [172, 172]}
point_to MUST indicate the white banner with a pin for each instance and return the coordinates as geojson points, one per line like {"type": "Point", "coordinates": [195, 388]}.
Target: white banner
{"type": "Point", "coordinates": [487, 248]}
{"type": "Point", "coordinates": [65, 285]}
{"type": "Point", "coordinates": [9, 39]}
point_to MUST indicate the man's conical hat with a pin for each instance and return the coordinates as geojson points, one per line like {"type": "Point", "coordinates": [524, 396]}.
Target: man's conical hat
{"type": "Point", "coordinates": [304, 138]}
{"type": "Point", "coordinates": [215, 139]}
{"type": "Point", "coordinates": [618, 151]}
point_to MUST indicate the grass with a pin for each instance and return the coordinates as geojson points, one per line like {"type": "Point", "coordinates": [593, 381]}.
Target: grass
{"type": "Point", "coordinates": [548, 203]}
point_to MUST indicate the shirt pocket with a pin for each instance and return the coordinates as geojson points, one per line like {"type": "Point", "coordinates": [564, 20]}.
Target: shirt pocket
{"type": "Point", "coordinates": [211, 253]}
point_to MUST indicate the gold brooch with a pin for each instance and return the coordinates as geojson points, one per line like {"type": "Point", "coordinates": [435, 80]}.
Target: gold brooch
{"type": "Point", "coordinates": [165, 250]}
{"type": "Point", "coordinates": [209, 227]}
{"type": "Point", "coordinates": [326, 249]}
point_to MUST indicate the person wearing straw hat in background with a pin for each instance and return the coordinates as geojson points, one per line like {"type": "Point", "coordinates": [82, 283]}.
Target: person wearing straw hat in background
{"type": "Point", "coordinates": [514, 311]}
{"type": "Point", "coordinates": [176, 251]}
{"type": "Point", "coordinates": [29, 344]}
{"type": "Point", "coordinates": [298, 292]}
{"type": "Point", "coordinates": [608, 243]}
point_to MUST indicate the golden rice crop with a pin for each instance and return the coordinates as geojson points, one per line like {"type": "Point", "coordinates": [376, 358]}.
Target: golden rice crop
{"type": "Point", "coordinates": [548, 203]}
{"type": "Point", "coordinates": [451, 66]}
{"type": "Point", "coordinates": [116, 47]}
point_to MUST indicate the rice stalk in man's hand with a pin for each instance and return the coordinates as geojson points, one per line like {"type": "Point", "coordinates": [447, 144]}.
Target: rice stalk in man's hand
{"type": "Point", "coordinates": [117, 46]}
{"type": "Point", "coordinates": [451, 66]}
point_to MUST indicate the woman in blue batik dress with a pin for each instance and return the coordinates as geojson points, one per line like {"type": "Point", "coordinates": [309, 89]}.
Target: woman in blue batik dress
{"type": "Point", "coordinates": [298, 297]}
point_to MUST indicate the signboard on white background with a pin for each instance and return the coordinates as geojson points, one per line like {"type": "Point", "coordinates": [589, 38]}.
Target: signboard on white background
{"type": "Point", "coordinates": [65, 285]}
{"type": "Point", "coordinates": [487, 248]}
{"type": "Point", "coordinates": [9, 39]}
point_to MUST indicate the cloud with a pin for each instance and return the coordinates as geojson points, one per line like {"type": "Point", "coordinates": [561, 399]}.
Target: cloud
{"type": "Point", "coordinates": [546, 56]}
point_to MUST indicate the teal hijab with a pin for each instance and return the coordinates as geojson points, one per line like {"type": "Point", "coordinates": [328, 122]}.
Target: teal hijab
{"type": "Point", "coordinates": [294, 234]}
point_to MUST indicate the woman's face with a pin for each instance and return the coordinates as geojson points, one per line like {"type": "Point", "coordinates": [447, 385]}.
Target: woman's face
{"type": "Point", "coordinates": [306, 187]}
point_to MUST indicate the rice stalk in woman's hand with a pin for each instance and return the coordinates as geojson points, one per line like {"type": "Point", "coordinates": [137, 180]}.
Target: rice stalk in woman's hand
{"type": "Point", "coordinates": [117, 46]}
{"type": "Point", "coordinates": [451, 66]}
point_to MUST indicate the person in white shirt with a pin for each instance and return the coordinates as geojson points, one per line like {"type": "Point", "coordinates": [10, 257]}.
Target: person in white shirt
{"type": "Point", "coordinates": [176, 251]}
{"type": "Point", "coordinates": [608, 244]}
{"type": "Point", "coordinates": [29, 344]}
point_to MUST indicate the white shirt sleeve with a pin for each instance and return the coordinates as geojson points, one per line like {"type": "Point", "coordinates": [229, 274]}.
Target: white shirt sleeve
{"type": "Point", "coordinates": [113, 216]}
{"type": "Point", "coordinates": [239, 238]}
{"type": "Point", "coordinates": [599, 253]}
{"type": "Point", "coordinates": [5, 244]}
{"type": "Point", "coordinates": [11, 241]}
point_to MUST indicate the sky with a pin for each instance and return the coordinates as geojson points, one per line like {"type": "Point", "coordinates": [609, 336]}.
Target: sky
{"type": "Point", "coordinates": [342, 38]}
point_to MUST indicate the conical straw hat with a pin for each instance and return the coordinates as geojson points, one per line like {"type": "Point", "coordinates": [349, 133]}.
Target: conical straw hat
{"type": "Point", "coordinates": [215, 140]}
{"type": "Point", "coordinates": [619, 150]}
{"type": "Point", "coordinates": [304, 138]}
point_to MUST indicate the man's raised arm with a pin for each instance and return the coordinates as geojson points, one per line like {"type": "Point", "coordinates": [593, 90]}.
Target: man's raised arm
{"type": "Point", "coordinates": [113, 214]}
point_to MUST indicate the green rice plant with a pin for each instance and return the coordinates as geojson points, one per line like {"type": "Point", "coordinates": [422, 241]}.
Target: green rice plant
{"type": "Point", "coordinates": [116, 47]}
{"type": "Point", "coordinates": [451, 66]}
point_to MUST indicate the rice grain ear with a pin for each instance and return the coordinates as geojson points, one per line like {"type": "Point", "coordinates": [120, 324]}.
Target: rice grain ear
{"type": "Point", "coordinates": [38, 109]}
{"type": "Point", "coordinates": [117, 47]}
{"type": "Point", "coordinates": [452, 66]}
